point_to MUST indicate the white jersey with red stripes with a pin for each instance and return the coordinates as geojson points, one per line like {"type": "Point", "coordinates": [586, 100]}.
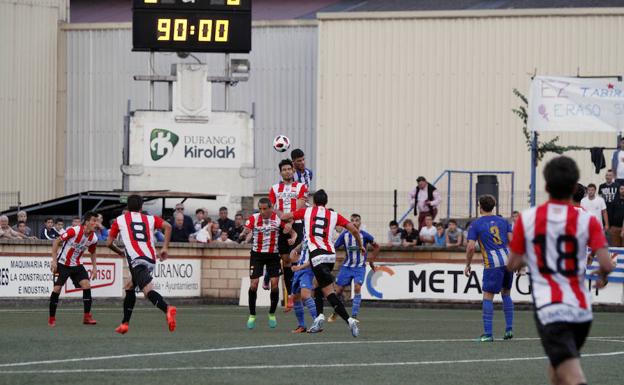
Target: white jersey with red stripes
{"type": "Point", "coordinates": [265, 232]}
{"type": "Point", "coordinates": [319, 226]}
{"type": "Point", "coordinates": [75, 242]}
{"type": "Point", "coordinates": [284, 196]}
{"type": "Point", "coordinates": [555, 237]}
{"type": "Point", "coordinates": [137, 234]}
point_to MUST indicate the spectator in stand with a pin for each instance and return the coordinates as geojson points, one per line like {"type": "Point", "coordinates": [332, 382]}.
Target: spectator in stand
{"type": "Point", "coordinates": [595, 205]}
{"type": "Point", "coordinates": [225, 223]}
{"type": "Point", "coordinates": [22, 228]}
{"type": "Point", "coordinates": [617, 163]}
{"type": "Point", "coordinates": [188, 221]}
{"type": "Point", "coordinates": [440, 237]}
{"type": "Point", "coordinates": [224, 237]}
{"type": "Point", "coordinates": [59, 226]}
{"type": "Point", "coordinates": [428, 232]}
{"type": "Point", "coordinates": [76, 222]}
{"type": "Point", "coordinates": [6, 232]}
{"type": "Point", "coordinates": [425, 199]}
{"type": "Point", "coordinates": [48, 231]}
{"type": "Point", "coordinates": [100, 230]}
{"type": "Point", "coordinates": [394, 234]}
{"type": "Point", "coordinates": [608, 190]}
{"type": "Point", "coordinates": [514, 218]}
{"type": "Point", "coordinates": [301, 174]}
{"type": "Point", "coordinates": [200, 217]}
{"type": "Point", "coordinates": [615, 211]}
{"type": "Point", "coordinates": [409, 236]}
{"type": "Point", "coordinates": [454, 236]}
{"type": "Point", "coordinates": [180, 232]}
{"type": "Point", "coordinates": [23, 217]}
{"type": "Point", "coordinates": [239, 226]}
{"type": "Point", "coordinates": [215, 230]}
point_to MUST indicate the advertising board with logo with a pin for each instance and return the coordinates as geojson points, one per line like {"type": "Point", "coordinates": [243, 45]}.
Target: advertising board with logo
{"type": "Point", "coordinates": [178, 277]}
{"type": "Point", "coordinates": [446, 281]}
{"type": "Point", "coordinates": [31, 277]}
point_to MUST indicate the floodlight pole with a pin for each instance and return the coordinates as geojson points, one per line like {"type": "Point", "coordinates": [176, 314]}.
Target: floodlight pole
{"type": "Point", "coordinates": [533, 167]}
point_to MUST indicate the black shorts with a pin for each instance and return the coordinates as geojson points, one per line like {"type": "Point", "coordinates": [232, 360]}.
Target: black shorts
{"type": "Point", "coordinates": [563, 340]}
{"type": "Point", "coordinates": [282, 240]}
{"type": "Point", "coordinates": [141, 275]}
{"type": "Point", "coordinates": [76, 273]}
{"type": "Point", "coordinates": [323, 274]}
{"type": "Point", "coordinates": [257, 261]}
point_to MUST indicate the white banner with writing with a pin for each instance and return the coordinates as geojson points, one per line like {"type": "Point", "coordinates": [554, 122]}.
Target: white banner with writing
{"type": "Point", "coordinates": [31, 277]}
{"type": "Point", "coordinates": [178, 278]}
{"type": "Point", "coordinates": [576, 104]}
{"type": "Point", "coordinates": [446, 281]}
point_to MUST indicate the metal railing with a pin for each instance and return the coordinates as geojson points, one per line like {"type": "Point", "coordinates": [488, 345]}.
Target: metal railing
{"type": "Point", "coordinates": [10, 199]}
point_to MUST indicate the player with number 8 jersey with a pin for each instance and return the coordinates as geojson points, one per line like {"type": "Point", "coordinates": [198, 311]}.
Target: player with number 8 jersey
{"type": "Point", "coordinates": [137, 233]}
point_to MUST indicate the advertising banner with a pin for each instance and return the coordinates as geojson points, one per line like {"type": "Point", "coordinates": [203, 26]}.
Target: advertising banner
{"type": "Point", "coordinates": [178, 278]}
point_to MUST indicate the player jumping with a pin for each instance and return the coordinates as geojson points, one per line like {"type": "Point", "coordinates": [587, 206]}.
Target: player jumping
{"type": "Point", "coordinates": [553, 239]}
{"type": "Point", "coordinates": [319, 226]}
{"type": "Point", "coordinates": [137, 234]}
{"type": "Point", "coordinates": [66, 264]}
{"type": "Point", "coordinates": [303, 285]}
{"type": "Point", "coordinates": [354, 266]}
{"type": "Point", "coordinates": [492, 232]}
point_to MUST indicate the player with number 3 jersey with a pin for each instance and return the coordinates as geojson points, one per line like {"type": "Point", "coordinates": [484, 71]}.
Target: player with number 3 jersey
{"type": "Point", "coordinates": [137, 233]}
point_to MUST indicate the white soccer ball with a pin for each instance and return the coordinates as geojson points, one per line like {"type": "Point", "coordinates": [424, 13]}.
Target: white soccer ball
{"type": "Point", "coordinates": [281, 143]}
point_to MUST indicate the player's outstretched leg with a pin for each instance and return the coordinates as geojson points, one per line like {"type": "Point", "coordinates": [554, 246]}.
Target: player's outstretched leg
{"type": "Point", "coordinates": [158, 301]}
{"type": "Point", "coordinates": [128, 307]}
{"type": "Point", "coordinates": [54, 298]}
{"type": "Point", "coordinates": [318, 300]}
{"type": "Point", "coordinates": [299, 313]}
{"type": "Point", "coordinates": [342, 312]}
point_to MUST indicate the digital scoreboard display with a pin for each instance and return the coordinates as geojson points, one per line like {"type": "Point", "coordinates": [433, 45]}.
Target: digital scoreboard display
{"type": "Point", "coordinates": [191, 26]}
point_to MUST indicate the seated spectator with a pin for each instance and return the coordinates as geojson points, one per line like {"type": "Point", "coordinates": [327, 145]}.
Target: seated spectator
{"type": "Point", "coordinates": [59, 226]}
{"type": "Point", "coordinates": [100, 230]}
{"type": "Point", "coordinates": [454, 236]}
{"type": "Point", "coordinates": [394, 234]}
{"type": "Point", "coordinates": [225, 223]}
{"type": "Point", "coordinates": [188, 221]}
{"type": "Point", "coordinates": [23, 217]}
{"type": "Point", "coordinates": [6, 232]}
{"type": "Point", "coordinates": [215, 230]}
{"type": "Point", "coordinates": [204, 235]}
{"type": "Point", "coordinates": [180, 232]}
{"type": "Point", "coordinates": [409, 236]}
{"type": "Point", "coordinates": [428, 232]}
{"type": "Point", "coordinates": [200, 216]}
{"type": "Point", "coordinates": [48, 231]}
{"type": "Point", "coordinates": [160, 237]}
{"type": "Point", "coordinates": [76, 221]}
{"type": "Point", "coordinates": [239, 225]}
{"type": "Point", "coordinates": [22, 229]}
{"type": "Point", "coordinates": [440, 237]}
{"type": "Point", "coordinates": [224, 237]}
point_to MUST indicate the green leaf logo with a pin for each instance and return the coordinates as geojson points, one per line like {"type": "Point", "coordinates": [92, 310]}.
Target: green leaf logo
{"type": "Point", "coordinates": [162, 143]}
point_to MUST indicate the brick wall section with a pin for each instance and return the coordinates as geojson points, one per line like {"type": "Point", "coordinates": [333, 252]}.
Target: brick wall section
{"type": "Point", "coordinates": [224, 266]}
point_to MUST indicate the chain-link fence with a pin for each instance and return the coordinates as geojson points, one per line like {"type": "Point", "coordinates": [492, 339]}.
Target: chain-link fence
{"type": "Point", "coordinates": [9, 199]}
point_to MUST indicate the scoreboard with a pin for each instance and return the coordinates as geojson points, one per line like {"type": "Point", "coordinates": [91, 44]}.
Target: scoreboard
{"type": "Point", "coordinates": [191, 25]}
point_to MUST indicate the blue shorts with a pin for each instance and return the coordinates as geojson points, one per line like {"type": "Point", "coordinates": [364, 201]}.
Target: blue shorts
{"type": "Point", "coordinates": [347, 274]}
{"type": "Point", "coordinates": [303, 279]}
{"type": "Point", "coordinates": [497, 278]}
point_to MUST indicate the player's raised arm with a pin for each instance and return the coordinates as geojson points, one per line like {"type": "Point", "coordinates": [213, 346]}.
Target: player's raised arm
{"type": "Point", "coordinates": [112, 235]}
{"type": "Point", "coordinates": [355, 232]}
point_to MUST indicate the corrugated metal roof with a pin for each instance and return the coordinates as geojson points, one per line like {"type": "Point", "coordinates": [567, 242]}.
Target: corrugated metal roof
{"type": "Point", "coordinates": [440, 5]}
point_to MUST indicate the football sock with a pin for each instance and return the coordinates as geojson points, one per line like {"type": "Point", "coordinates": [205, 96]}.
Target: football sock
{"type": "Point", "coordinates": [488, 316]}
{"type": "Point", "coordinates": [508, 308]}
{"type": "Point", "coordinates": [54, 297]}
{"type": "Point", "coordinates": [299, 313]}
{"type": "Point", "coordinates": [252, 301]}
{"type": "Point", "coordinates": [318, 300]}
{"type": "Point", "coordinates": [338, 306]}
{"type": "Point", "coordinates": [288, 277]}
{"type": "Point", "coordinates": [128, 305]}
{"type": "Point", "coordinates": [86, 300]}
{"type": "Point", "coordinates": [311, 307]}
{"type": "Point", "coordinates": [357, 301]}
{"type": "Point", "coordinates": [157, 300]}
{"type": "Point", "coordinates": [274, 300]}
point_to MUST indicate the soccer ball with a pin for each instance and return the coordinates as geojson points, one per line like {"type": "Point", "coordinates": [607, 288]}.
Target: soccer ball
{"type": "Point", "coordinates": [281, 143]}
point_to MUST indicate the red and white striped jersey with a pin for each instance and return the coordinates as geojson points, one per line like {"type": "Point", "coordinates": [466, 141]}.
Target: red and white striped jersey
{"type": "Point", "coordinates": [75, 242]}
{"type": "Point", "coordinates": [137, 234]}
{"type": "Point", "coordinates": [284, 196]}
{"type": "Point", "coordinates": [265, 232]}
{"type": "Point", "coordinates": [319, 226]}
{"type": "Point", "coordinates": [554, 237]}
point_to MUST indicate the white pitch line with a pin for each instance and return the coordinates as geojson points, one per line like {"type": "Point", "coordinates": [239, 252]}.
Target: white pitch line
{"type": "Point", "coordinates": [296, 366]}
{"type": "Point", "coordinates": [253, 347]}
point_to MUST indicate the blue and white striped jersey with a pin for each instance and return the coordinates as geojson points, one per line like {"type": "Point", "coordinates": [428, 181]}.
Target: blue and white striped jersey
{"type": "Point", "coordinates": [354, 257]}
